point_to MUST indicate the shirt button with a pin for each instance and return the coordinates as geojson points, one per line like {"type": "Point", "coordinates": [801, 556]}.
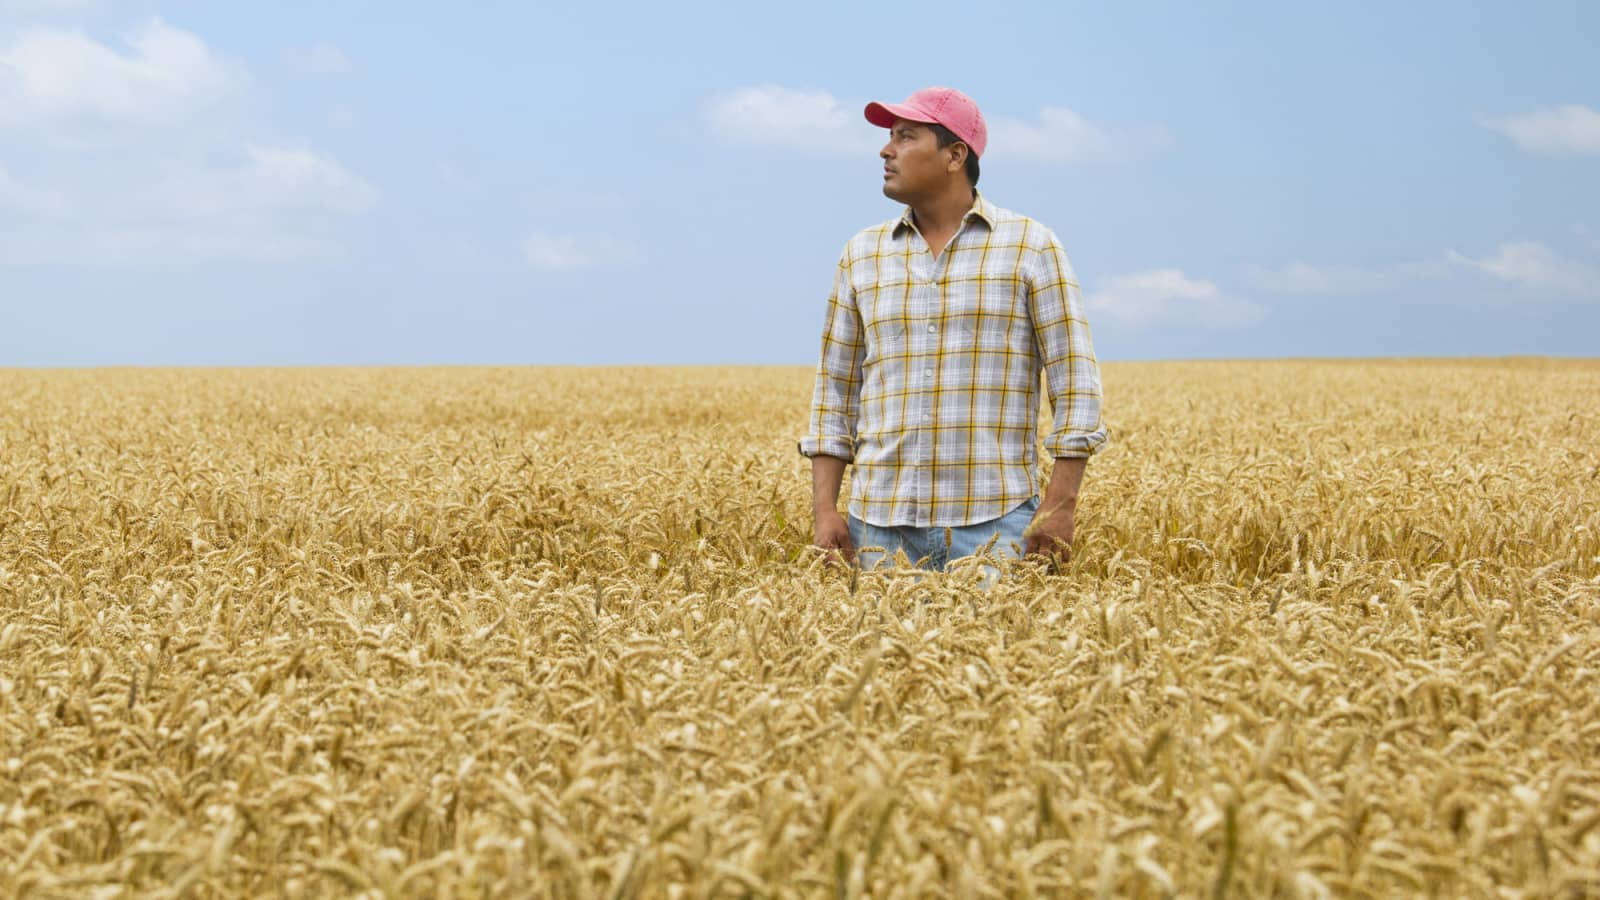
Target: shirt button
{"type": "Point", "coordinates": [932, 328]}
{"type": "Point", "coordinates": [927, 373]}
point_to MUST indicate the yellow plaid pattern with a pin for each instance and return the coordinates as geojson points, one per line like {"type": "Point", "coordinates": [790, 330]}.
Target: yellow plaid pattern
{"type": "Point", "coordinates": [929, 376]}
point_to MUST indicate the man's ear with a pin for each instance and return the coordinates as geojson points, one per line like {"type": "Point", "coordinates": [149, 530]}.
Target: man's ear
{"type": "Point", "coordinates": [958, 156]}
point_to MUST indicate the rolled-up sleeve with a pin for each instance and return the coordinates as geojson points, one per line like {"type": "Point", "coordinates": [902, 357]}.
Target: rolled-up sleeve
{"type": "Point", "coordinates": [1066, 353]}
{"type": "Point", "coordinates": [836, 397]}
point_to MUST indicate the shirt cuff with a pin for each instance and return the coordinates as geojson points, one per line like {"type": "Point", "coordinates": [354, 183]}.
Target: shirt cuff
{"type": "Point", "coordinates": [1076, 446]}
{"type": "Point", "coordinates": [811, 445]}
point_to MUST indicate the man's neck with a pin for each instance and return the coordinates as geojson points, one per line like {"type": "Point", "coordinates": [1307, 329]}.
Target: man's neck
{"type": "Point", "coordinates": [943, 214]}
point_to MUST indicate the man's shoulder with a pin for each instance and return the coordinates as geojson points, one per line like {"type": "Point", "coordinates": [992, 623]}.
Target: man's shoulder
{"type": "Point", "coordinates": [870, 240]}
{"type": "Point", "coordinates": [1016, 227]}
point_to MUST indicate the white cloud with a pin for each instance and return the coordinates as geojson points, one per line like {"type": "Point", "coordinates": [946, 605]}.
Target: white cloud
{"type": "Point", "coordinates": [158, 243]}
{"type": "Point", "coordinates": [321, 58]}
{"type": "Point", "coordinates": [1167, 297]}
{"type": "Point", "coordinates": [1534, 265]}
{"type": "Point", "coordinates": [543, 250]}
{"type": "Point", "coordinates": [312, 179]}
{"type": "Point", "coordinates": [272, 178]}
{"type": "Point", "coordinates": [1340, 280]}
{"type": "Point", "coordinates": [818, 121]}
{"type": "Point", "coordinates": [1062, 136]}
{"type": "Point", "coordinates": [154, 169]}
{"type": "Point", "coordinates": [22, 198]}
{"type": "Point", "coordinates": [785, 117]}
{"type": "Point", "coordinates": [1570, 130]}
{"type": "Point", "coordinates": [1527, 263]}
{"type": "Point", "coordinates": [554, 251]}
{"type": "Point", "coordinates": [45, 6]}
{"type": "Point", "coordinates": [276, 203]}
{"type": "Point", "coordinates": [59, 79]}
{"type": "Point", "coordinates": [1304, 278]}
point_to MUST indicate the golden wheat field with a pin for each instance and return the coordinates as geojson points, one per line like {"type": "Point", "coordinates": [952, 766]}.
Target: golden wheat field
{"type": "Point", "coordinates": [1330, 629]}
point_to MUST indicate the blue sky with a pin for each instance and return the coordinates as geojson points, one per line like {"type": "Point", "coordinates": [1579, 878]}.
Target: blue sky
{"type": "Point", "coordinates": [208, 183]}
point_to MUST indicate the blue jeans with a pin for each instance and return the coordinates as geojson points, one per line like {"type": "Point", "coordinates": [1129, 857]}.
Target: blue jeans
{"type": "Point", "coordinates": [928, 547]}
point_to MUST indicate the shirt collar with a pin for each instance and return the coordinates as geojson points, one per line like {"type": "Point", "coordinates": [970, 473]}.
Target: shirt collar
{"type": "Point", "coordinates": [981, 210]}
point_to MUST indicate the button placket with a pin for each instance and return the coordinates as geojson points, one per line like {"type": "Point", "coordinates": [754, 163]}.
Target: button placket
{"type": "Point", "coordinates": [924, 301]}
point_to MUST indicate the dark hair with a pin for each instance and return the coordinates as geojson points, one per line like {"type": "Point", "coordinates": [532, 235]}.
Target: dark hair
{"type": "Point", "coordinates": [946, 137]}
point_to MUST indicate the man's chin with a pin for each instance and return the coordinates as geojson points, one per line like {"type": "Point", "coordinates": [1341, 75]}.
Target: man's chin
{"type": "Point", "coordinates": [893, 194]}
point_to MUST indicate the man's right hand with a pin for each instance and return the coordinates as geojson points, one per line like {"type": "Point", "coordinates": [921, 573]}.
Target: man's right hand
{"type": "Point", "coordinates": [833, 535]}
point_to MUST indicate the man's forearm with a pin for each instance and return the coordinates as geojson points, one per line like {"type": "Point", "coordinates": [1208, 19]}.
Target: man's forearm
{"type": "Point", "coordinates": [1065, 480]}
{"type": "Point", "coordinates": [827, 473]}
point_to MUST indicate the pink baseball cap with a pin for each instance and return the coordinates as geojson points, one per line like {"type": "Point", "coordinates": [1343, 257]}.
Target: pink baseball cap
{"type": "Point", "coordinates": [946, 106]}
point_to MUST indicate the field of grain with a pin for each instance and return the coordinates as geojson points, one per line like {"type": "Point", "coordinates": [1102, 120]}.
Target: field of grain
{"type": "Point", "coordinates": [1330, 629]}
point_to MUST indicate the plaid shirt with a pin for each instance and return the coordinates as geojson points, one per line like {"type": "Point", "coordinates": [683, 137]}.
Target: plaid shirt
{"type": "Point", "coordinates": [929, 376]}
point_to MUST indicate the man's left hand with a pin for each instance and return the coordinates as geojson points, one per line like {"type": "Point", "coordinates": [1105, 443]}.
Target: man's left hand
{"type": "Point", "coordinates": [1050, 533]}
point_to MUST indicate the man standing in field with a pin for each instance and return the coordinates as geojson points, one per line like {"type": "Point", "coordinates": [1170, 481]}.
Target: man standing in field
{"type": "Point", "coordinates": [938, 327]}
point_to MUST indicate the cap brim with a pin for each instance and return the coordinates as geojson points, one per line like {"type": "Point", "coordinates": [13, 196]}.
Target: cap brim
{"type": "Point", "coordinates": [884, 115]}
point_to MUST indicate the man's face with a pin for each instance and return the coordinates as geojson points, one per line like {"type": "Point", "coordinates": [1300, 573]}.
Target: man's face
{"type": "Point", "coordinates": [913, 165]}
